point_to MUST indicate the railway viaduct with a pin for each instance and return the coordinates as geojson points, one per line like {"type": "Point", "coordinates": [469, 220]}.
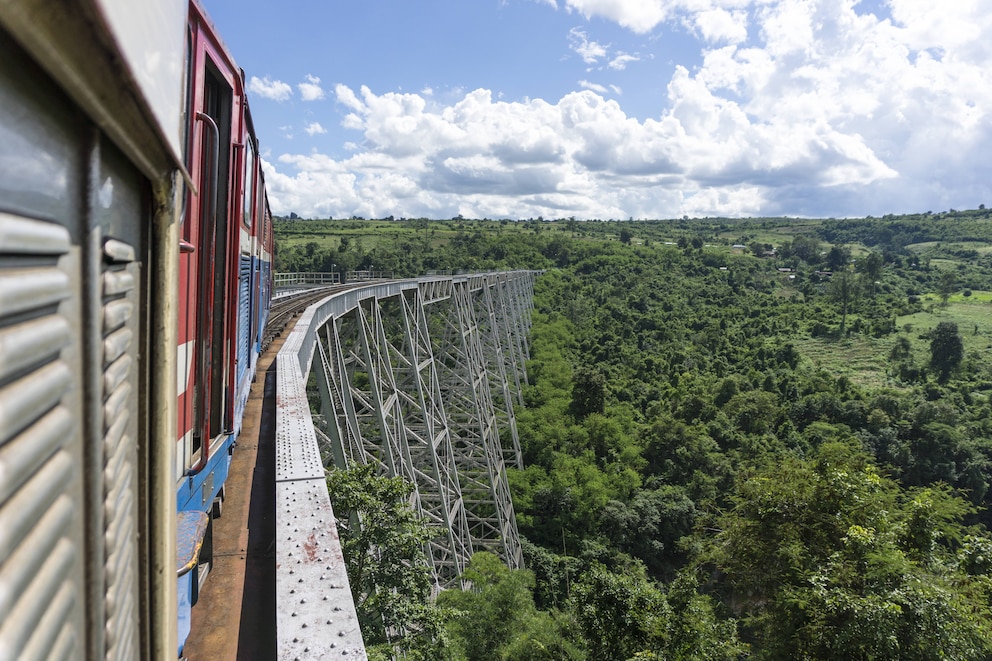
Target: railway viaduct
{"type": "Point", "coordinates": [419, 377]}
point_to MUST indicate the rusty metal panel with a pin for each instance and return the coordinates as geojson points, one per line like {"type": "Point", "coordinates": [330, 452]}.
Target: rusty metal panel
{"type": "Point", "coordinates": [297, 454]}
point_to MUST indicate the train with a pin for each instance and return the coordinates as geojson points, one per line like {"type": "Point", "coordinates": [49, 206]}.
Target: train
{"type": "Point", "coordinates": [136, 248]}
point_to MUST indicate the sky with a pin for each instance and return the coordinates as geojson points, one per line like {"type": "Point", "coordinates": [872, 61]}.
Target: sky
{"type": "Point", "coordinates": [617, 109]}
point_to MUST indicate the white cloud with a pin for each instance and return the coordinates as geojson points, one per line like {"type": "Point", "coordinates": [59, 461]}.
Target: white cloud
{"type": "Point", "coordinates": [720, 25]}
{"type": "Point", "coordinates": [270, 89]}
{"type": "Point", "coordinates": [586, 85]}
{"type": "Point", "coordinates": [637, 15]}
{"type": "Point", "coordinates": [796, 107]}
{"type": "Point", "coordinates": [311, 90]}
{"type": "Point", "coordinates": [314, 128]}
{"type": "Point", "coordinates": [787, 27]}
{"type": "Point", "coordinates": [347, 97]}
{"type": "Point", "coordinates": [621, 60]}
{"type": "Point", "coordinates": [591, 52]}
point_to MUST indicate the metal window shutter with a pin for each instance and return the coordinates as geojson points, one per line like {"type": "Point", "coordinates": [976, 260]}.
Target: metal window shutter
{"type": "Point", "coordinates": [244, 318]}
{"type": "Point", "coordinates": [119, 399]}
{"type": "Point", "coordinates": [39, 516]}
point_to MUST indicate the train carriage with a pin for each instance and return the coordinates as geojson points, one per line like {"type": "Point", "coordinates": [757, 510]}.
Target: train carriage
{"type": "Point", "coordinates": [135, 241]}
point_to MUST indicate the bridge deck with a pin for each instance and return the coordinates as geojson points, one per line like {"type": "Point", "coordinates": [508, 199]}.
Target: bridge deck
{"type": "Point", "coordinates": [235, 617]}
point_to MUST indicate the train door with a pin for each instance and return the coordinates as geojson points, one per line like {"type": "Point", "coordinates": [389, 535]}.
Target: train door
{"type": "Point", "coordinates": [206, 234]}
{"type": "Point", "coordinates": [213, 266]}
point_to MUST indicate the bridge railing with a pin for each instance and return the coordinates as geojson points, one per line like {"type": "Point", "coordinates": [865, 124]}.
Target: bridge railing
{"type": "Point", "coordinates": [284, 280]}
{"type": "Point", "coordinates": [280, 280]}
{"type": "Point", "coordinates": [364, 276]}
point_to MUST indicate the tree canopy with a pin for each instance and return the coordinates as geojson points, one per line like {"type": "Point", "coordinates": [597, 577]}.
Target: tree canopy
{"type": "Point", "coordinates": [728, 456]}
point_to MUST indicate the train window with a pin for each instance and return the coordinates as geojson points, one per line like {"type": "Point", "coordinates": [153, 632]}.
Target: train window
{"type": "Point", "coordinates": [249, 182]}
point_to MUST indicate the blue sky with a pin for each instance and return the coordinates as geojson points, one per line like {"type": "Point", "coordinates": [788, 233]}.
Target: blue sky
{"type": "Point", "coordinates": [617, 108]}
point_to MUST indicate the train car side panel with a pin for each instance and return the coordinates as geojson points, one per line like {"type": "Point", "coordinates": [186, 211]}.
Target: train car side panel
{"type": "Point", "coordinates": [71, 391]}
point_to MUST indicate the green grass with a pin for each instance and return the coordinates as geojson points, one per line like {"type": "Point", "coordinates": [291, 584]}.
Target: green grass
{"type": "Point", "coordinates": [977, 297]}
{"type": "Point", "coordinates": [863, 360]}
{"type": "Point", "coordinates": [944, 264]}
{"type": "Point", "coordinates": [968, 313]}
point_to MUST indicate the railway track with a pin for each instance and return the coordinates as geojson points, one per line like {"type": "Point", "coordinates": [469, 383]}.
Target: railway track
{"type": "Point", "coordinates": [285, 308]}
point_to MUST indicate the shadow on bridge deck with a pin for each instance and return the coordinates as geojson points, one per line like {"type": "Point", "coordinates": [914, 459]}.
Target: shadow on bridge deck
{"type": "Point", "coordinates": [235, 617]}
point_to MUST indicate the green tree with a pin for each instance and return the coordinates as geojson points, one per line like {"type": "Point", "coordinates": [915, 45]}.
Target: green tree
{"type": "Point", "coordinates": [947, 285]}
{"type": "Point", "coordinates": [496, 618]}
{"type": "Point", "coordinates": [806, 248]}
{"type": "Point", "coordinates": [754, 411]}
{"type": "Point", "coordinates": [946, 349]}
{"type": "Point", "coordinates": [871, 269]}
{"type": "Point", "coordinates": [843, 290]}
{"type": "Point", "coordinates": [383, 543]}
{"type": "Point", "coordinates": [651, 525]}
{"type": "Point", "coordinates": [588, 391]}
{"type": "Point", "coordinates": [828, 559]}
{"type": "Point", "coordinates": [695, 631]}
{"type": "Point", "coordinates": [619, 615]}
{"type": "Point", "coordinates": [838, 258]}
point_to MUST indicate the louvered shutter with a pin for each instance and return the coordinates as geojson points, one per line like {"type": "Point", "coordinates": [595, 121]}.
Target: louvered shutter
{"type": "Point", "coordinates": [39, 552]}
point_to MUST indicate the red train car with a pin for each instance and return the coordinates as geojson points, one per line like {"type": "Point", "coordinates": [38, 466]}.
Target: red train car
{"type": "Point", "coordinates": [224, 280]}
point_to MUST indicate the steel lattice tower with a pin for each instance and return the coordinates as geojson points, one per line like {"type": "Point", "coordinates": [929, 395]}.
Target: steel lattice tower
{"type": "Point", "coordinates": [420, 378]}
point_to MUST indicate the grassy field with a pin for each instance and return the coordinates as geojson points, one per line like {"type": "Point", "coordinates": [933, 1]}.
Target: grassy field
{"type": "Point", "coordinates": [972, 314]}
{"type": "Point", "coordinates": [864, 360]}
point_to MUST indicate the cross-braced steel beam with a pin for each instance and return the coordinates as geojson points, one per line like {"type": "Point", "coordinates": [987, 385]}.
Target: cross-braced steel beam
{"type": "Point", "coordinates": [421, 381]}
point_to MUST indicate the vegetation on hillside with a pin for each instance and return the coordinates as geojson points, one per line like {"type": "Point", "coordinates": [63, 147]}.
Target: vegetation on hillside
{"type": "Point", "coordinates": [758, 439]}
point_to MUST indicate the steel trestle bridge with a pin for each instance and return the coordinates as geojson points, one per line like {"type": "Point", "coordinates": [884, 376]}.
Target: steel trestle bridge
{"type": "Point", "coordinates": [419, 377]}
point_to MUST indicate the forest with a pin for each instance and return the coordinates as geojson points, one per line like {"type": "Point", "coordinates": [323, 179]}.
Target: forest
{"type": "Point", "coordinates": [743, 439]}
